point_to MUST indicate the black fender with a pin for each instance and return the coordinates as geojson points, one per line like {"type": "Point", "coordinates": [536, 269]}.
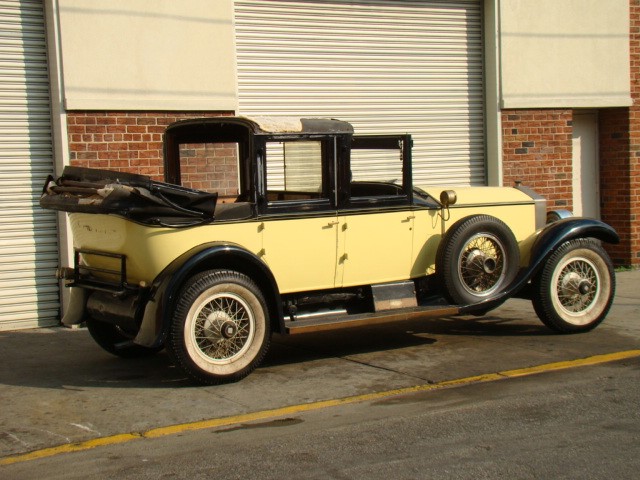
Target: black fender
{"type": "Point", "coordinates": [557, 233]}
{"type": "Point", "coordinates": [547, 241]}
{"type": "Point", "coordinates": [156, 319]}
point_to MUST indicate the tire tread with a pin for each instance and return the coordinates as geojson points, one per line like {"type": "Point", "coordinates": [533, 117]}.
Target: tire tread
{"type": "Point", "coordinates": [175, 339]}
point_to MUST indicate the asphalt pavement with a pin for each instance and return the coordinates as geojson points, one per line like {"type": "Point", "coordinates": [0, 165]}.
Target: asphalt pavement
{"type": "Point", "coordinates": [58, 388]}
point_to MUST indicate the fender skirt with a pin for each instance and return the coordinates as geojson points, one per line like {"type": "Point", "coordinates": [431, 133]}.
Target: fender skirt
{"type": "Point", "coordinates": [548, 240]}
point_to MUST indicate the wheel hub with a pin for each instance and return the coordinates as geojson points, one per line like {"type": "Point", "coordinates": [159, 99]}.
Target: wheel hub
{"type": "Point", "coordinates": [573, 284]}
{"type": "Point", "coordinates": [217, 325]}
{"type": "Point", "coordinates": [489, 265]}
{"type": "Point", "coordinates": [480, 260]}
{"type": "Point", "coordinates": [229, 329]}
{"type": "Point", "coordinates": [585, 287]}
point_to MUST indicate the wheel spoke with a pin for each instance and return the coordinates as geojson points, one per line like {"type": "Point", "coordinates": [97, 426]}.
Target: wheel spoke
{"type": "Point", "coordinates": [568, 286]}
{"type": "Point", "coordinates": [224, 311]}
{"type": "Point", "coordinates": [472, 265]}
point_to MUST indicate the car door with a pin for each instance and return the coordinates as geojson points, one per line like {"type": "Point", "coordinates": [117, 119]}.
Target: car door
{"type": "Point", "coordinates": [374, 246]}
{"type": "Point", "coordinates": [376, 219]}
{"type": "Point", "coordinates": [299, 220]}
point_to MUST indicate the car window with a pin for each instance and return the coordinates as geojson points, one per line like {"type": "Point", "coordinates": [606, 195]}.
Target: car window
{"type": "Point", "coordinates": [210, 167]}
{"type": "Point", "coordinates": [377, 173]}
{"type": "Point", "coordinates": [376, 165]}
{"type": "Point", "coordinates": [294, 171]}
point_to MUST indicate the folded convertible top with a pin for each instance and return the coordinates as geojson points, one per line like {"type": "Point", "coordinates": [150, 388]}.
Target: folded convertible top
{"type": "Point", "coordinates": [132, 196]}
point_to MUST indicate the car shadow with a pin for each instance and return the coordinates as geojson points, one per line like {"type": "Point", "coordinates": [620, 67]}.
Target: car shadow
{"type": "Point", "coordinates": [380, 338]}
{"type": "Point", "coordinates": [59, 358]}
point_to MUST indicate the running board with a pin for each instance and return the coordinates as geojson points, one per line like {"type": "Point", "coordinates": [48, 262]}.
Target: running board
{"type": "Point", "coordinates": [356, 320]}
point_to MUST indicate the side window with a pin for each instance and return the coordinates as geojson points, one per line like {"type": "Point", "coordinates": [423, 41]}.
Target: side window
{"type": "Point", "coordinates": [376, 166]}
{"type": "Point", "coordinates": [210, 167]}
{"type": "Point", "coordinates": [295, 171]}
{"type": "Point", "coordinates": [377, 170]}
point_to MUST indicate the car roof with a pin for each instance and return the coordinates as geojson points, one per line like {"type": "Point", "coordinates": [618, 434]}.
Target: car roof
{"type": "Point", "coordinates": [269, 124]}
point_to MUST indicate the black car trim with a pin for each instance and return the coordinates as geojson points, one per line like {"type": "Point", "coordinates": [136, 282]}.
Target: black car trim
{"type": "Point", "coordinates": [492, 204]}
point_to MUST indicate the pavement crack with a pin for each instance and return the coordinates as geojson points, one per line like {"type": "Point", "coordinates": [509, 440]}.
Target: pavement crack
{"type": "Point", "coordinates": [386, 369]}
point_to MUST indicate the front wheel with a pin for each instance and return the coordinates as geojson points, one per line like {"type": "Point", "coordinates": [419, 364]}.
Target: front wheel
{"type": "Point", "coordinates": [575, 289]}
{"type": "Point", "coordinates": [220, 329]}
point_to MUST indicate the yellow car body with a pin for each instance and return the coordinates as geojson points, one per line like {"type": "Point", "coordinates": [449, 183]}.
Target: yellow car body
{"type": "Point", "coordinates": [338, 250]}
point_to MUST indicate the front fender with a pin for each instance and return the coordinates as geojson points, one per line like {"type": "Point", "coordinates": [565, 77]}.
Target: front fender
{"type": "Point", "coordinates": [156, 320]}
{"type": "Point", "coordinates": [557, 233]}
{"type": "Point", "coordinates": [547, 241]}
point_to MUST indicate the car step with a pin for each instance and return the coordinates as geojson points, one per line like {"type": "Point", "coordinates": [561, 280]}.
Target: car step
{"type": "Point", "coordinates": [333, 322]}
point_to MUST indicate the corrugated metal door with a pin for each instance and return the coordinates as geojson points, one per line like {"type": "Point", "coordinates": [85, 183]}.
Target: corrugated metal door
{"type": "Point", "coordinates": [28, 241]}
{"type": "Point", "coordinates": [386, 66]}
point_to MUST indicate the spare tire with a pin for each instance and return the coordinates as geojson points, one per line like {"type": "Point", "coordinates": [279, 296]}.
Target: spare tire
{"type": "Point", "coordinates": [477, 259]}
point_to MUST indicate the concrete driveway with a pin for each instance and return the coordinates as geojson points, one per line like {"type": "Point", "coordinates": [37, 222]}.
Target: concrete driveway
{"type": "Point", "coordinates": [57, 387]}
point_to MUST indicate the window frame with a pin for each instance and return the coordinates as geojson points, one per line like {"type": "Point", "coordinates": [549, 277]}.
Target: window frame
{"type": "Point", "coordinates": [328, 159]}
{"type": "Point", "coordinates": [207, 133]}
{"type": "Point", "coordinates": [402, 143]}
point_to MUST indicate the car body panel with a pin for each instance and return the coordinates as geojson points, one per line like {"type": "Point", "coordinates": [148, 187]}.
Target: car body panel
{"type": "Point", "coordinates": [306, 265]}
{"type": "Point", "coordinates": [343, 246]}
{"type": "Point", "coordinates": [477, 196]}
{"type": "Point", "coordinates": [149, 250]}
{"type": "Point", "coordinates": [375, 246]}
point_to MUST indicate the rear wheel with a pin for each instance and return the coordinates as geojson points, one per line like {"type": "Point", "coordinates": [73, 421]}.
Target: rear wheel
{"type": "Point", "coordinates": [117, 341]}
{"type": "Point", "coordinates": [575, 289]}
{"type": "Point", "coordinates": [220, 330]}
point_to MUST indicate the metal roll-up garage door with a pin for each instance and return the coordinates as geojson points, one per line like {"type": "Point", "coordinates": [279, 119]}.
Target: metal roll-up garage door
{"type": "Point", "coordinates": [28, 241]}
{"type": "Point", "coordinates": [385, 66]}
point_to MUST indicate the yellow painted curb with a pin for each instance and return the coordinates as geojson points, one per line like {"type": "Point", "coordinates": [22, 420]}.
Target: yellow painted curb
{"type": "Point", "coordinates": [293, 409]}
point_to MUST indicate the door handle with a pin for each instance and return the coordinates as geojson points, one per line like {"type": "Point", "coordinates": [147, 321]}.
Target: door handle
{"type": "Point", "coordinates": [331, 224]}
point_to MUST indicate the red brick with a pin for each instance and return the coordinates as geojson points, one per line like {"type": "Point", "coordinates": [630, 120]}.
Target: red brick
{"type": "Point", "coordinates": [546, 130]}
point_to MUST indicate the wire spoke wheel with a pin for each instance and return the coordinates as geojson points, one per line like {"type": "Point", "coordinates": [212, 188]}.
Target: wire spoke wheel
{"type": "Point", "coordinates": [223, 327]}
{"type": "Point", "coordinates": [220, 330]}
{"type": "Point", "coordinates": [575, 288]}
{"type": "Point", "coordinates": [477, 259]}
{"type": "Point", "coordinates": [481, 264]}
{"type": "Point", "coordinates": [577, 283]}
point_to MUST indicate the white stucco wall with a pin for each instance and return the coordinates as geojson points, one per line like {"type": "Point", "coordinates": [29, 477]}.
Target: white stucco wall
{"type": "Point", "coordinates": [564, 53]}
{"type": "Point", "coordinates": [147, 54]}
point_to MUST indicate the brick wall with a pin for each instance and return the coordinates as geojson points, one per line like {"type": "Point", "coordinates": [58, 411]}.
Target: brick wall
{"type": "Point", "coordinates": [124, 141]}
{"type": "Point", "coordinates": [537, 152]}
{"type": "Point", "coordinates": [211, 167]}
{"type": "Point", "coordinates": [633, 231]}
{"type": "Point", "coordinates": [615, 180]}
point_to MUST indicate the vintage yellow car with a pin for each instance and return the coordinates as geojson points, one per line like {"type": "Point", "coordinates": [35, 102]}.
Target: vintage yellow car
{"type": "Point", "coordinates": [317, 229]}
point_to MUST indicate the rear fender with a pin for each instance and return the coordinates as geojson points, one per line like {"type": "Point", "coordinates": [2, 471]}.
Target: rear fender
{"type": "Point", "coordinates": [156, 319]}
